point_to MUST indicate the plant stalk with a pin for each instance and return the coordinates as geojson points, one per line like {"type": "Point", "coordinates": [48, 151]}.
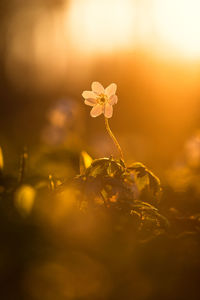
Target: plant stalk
{"type": "Point", "coordinates": [113, 138]}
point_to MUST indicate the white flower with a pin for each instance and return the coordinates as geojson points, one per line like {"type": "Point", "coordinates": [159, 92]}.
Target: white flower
{"type": "Point", "coordinates": [101, 99]}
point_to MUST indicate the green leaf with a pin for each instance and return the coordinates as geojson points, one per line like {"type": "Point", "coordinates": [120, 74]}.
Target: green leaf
{"type": "Point", "coordinates": [144, 178]}
{"type": "Point", "coordinates": [104, 167]}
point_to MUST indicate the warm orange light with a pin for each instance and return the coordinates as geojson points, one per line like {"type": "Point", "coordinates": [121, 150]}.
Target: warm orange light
{"type": "Point", "coordinates": [1, 159]}
{"type": "Point", "coordinates": [101, 25]}
{"type": "Point", "coordinates": [24, 199]}
{"type": "Point", "coordinates": [178, 24]}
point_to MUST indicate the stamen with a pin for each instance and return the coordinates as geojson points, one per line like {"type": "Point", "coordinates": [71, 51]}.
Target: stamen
{"type": "Point", "coordinates": [102, 99]}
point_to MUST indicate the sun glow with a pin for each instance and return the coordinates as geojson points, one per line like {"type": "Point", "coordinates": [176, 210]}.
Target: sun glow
{"type": "Point", "coordinates": [177, 23]}
{"type": "Point", "coordinates": [101, 25]}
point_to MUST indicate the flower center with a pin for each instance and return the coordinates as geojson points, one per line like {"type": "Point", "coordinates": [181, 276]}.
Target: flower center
{"type": "Point", "coordinates": [102, 99]}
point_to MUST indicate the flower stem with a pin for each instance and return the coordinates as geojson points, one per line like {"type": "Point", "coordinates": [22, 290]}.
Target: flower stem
{"type": "Point", "coordinates": [113, 138]}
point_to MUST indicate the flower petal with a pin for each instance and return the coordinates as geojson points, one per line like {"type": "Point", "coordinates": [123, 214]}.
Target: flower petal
{"type": "Point", "coordinates": [111, 90]}
{"type": "Point", "coordinates": [90, 102]}
{"type": "Point", "coordinates": [108, 110]}
{"type": "Point", "coordinates": [97, 88]}
{"type": "Point", "coordinates": [89, 94]}
{"type": "Point", "coordinates": [96, 111]}
{"type": "Point", "coordinates": [113, 100]}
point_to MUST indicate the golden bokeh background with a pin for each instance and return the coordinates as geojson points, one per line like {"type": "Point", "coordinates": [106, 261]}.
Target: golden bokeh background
{"type": "Point", "coordinates": [52, 50]}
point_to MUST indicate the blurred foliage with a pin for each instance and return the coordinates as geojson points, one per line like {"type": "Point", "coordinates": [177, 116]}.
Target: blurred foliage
{"type": "Point", "coordinates": [110, 232]}
{"type": "Point", "coordinates": [24, 199]}
{"type": "Point", "coordinates": [108, 184]}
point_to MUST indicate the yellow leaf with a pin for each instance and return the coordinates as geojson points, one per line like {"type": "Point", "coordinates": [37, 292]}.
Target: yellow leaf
{"type": "Point", "coordinates": [85, 161]}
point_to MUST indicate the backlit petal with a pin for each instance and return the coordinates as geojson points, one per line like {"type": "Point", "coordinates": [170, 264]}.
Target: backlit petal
{"type": "Point", "coordinates": [108, 110]}
{"type": "Point", "coordinates": [96, 111]}
{"type": "Point", "coordinates": [91, 102]}
{"type": "Point", "coordinates": [111, 90]}
{"type": "Point", "coordinates": [113, 99]}
{"type": "Point", "coordinates": [97, 88]}
{"type": "Point", "coordinates": [89, 94]}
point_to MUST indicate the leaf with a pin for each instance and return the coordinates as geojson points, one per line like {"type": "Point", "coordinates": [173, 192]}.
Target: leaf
{"type": "Point", "coordinates": [145, 178]}
{"type": "Point", "coordinates": [104, 167]}
{"type": "Point", "coordinates": [139, 168]}
{"type": "Point", "coordinates": [151, 220]}
{"type": "Point", "coordinates": [154, 183]}
{"type": "Point", "coordinates": [85, 161]}
{"type": "Point", "coordinates": [142, 182]}
{"type": "Point", "coordinates": [143, 205]}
